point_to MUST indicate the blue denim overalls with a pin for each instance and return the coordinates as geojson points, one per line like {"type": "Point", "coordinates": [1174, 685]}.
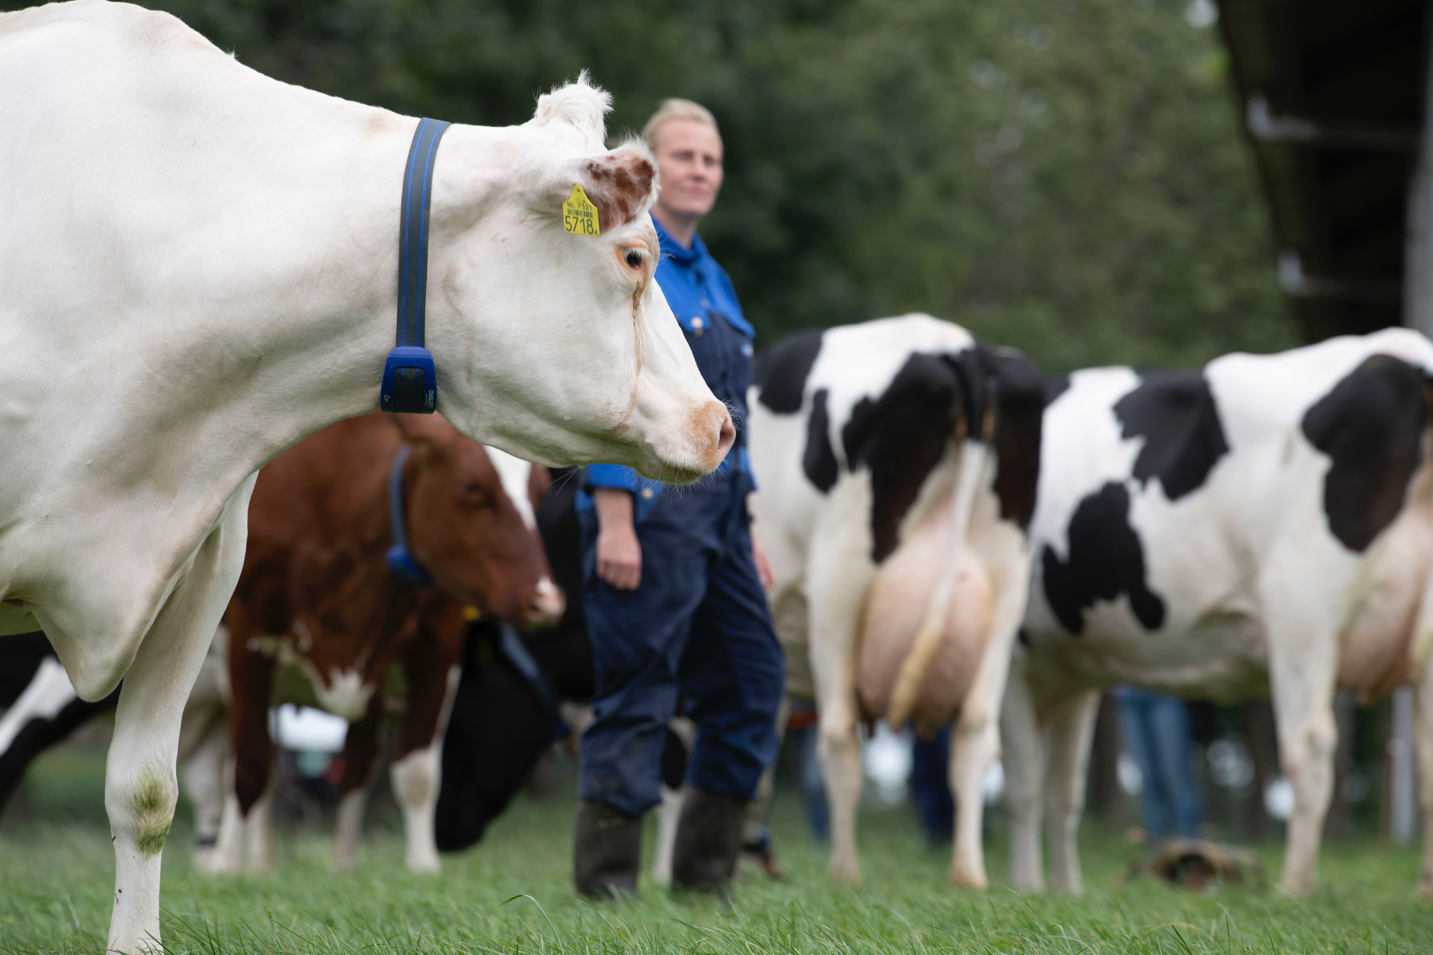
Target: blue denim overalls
{"type": "Point", "coordinates": [698, 625]}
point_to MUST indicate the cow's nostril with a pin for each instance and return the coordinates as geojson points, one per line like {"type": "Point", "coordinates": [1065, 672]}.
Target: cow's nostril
{"type": "Point", "coordinates": [727, 437]}
{"type": "Point", "coordinates": [546, 604]}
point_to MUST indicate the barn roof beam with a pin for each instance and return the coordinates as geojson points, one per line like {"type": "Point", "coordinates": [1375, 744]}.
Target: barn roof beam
{"type": "Point", "coordinates": [1266, 126]}
{"type": "Point", "coordinates": [1297, 283]}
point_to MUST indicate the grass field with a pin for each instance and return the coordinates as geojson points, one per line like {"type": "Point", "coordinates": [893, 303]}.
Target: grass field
{"type": "Point", "coordinates": [511, 894]}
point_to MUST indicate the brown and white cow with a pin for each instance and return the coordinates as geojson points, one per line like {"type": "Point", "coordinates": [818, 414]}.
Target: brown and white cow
{"type": "Point", "coordinates": [897, 463]}
{"type": "Point", "coordinates": [317, 595]}
{"type": "Point", "coordinates": [1263, 525]}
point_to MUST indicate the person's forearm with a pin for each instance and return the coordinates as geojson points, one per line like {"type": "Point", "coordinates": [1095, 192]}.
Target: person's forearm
{"type": "Point", "coordinates": [619, 554]}
{"type": "Point", "coordinates": [614, 508]}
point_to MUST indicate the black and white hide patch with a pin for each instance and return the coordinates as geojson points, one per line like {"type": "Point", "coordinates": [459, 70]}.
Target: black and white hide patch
{"type": "Point", "coordinates": [1371, 426]}
{"type": "Point", "coordinates": [1174, 416]}
{"type": "Point", "coordinates": [898, 424]}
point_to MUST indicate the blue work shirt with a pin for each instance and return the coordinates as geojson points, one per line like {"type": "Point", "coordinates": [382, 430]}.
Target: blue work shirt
{"type": "Point", "coordinates": [703, 300]}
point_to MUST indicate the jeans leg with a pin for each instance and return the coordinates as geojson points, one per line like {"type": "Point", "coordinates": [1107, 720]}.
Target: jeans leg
{"type": "Point", "coordinates": [1134, 727]}
{"type": "Point", "coordinates": [813, 788]}
{"type": "Point", "coordinates": [734, 673]}
{"type": "Point", "coordinates": [1169, 726]}
{"type": "Point", "coordinates": [638, 637]}
{"type": "Point", "coordinates": [930, 786]}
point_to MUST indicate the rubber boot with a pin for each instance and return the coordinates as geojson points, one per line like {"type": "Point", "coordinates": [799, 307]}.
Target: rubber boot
{"type": "Point", "coordinates": [606, 852]}
{"type": "Point", "coordinates": [708, 842]}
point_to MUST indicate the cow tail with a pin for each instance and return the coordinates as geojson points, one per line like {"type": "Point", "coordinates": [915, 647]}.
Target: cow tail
{"type": "Point", "coordinates": [971, 469]}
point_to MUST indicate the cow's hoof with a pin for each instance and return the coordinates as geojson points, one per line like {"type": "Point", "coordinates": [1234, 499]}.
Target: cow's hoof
{"type": "Point", "coordinates": [1425, 887]}
{"type": "Point", "coordinates": [846, 874]}
{"type": "Point", "coordinates": [1296, 888]}
{"type": "Point", "coordinates": [961, 878]}
{"type": "Point", "coordinates": [424, 866]}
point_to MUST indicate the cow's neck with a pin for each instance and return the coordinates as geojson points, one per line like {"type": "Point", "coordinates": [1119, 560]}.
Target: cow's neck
{"type": "Point", "coordinates": [297, 339]}
{"type": "Point", "coordinates": [258, 310]}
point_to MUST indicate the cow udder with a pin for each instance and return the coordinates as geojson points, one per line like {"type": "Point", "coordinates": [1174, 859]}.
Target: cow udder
{"type": "Point", "coordinates": [895, 610]}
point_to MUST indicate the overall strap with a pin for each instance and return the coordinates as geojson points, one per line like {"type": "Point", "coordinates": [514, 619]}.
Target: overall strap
{"type": "Point", "coordinates": [522, 660]}
{"type": "Point", "coordinates": [410, 382]}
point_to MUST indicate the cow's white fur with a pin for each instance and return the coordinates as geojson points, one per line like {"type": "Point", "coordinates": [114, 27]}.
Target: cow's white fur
{"type": "Point", "coordinates": [820, 550]}
{"type": "Point", "coordinates": [515, 474]}
{"type": "Point", "coordinates": [1259, 595]}
{"type": "Point", "coordinates": [200, 269]}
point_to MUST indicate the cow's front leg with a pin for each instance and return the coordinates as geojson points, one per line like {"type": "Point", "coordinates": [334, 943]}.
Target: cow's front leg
{"type": "Point", "coordinates": [360, 749]}
{"type": "Point", "coordinates": [1024, 765]}
{"type": "Point", "coordinates": [251, 678]}
{"type": "Point", "coordinates": [141, 785]}
{"type": "Point", "coordinates": [975, 739]}
{"type": "Point", "coordinates": [1070, 727]}
{"type": "Point", "coordinates": [430, 662]}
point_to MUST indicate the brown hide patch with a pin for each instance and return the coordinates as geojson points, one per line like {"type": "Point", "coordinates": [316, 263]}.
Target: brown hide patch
{"type": "Point", "coordinates": [539, 482]}
{"type": "Point", "coordinates": [619, 185]}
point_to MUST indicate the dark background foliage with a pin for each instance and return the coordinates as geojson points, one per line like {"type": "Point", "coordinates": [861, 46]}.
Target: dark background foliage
{"type": "Point", "coordinates": [1066, 176]}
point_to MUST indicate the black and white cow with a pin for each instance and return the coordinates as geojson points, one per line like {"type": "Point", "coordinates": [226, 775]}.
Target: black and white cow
{"type": "Point", "coordinates": [1262, 525]}
{"type": "Point", "coordinates": [897, 464]}
{"type": "Point", "coordinates": [39, 706]}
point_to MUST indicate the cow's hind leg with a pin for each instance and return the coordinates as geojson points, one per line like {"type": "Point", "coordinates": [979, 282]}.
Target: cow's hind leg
{"type": "Point", "coordinates": [975, 739]}
{"type": "Point", "coordinates": [1024, 765]}
{"type": "Point", "coordinates": [1303, 668]}
{"type": "Point", "coordinates": [141, 785]}
{"type": "Point", "coordinates": [204, 774]}
{"type": "Point", "coordinates": [1423, 746]}
{"type": "Point", "coordinates": [836, 601]}
{"type": "Point", "coordinates": [1070, 727]}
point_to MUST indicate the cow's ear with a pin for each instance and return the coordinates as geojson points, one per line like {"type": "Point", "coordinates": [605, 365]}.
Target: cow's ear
{"type": "Point", "coordinates": [581, 106]}
{"type": "Point", "coordinates": [426, 434]}
{"type": "Point", "coordinates": [622, 184]}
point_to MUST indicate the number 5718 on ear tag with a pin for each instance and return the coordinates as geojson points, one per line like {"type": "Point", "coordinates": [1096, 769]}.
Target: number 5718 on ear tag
{"type": "Point", "coordinates": [579, 215]}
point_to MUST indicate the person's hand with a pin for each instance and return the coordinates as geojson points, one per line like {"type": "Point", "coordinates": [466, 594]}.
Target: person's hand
{"type": "Point", "coordinates": [764, 573]}
{"type": "Point", "coordinates": [619, 555]}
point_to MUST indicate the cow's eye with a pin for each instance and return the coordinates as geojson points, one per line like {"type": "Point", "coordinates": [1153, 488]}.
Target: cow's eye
{"type": "Point", "coordinates": [475, 493]}
{"type": "Point", "coordinates": [634, 259]}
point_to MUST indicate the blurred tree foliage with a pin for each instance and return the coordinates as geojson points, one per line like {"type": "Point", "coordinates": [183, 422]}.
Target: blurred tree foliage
{"type": "Point", "coordinates": [1066, 176]}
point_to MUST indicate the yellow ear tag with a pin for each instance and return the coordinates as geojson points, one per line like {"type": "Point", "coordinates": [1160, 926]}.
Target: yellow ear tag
{"type": "Point", "coordinates": [470, 613]}
{"type": "Point", "coordinates": [579, 215]}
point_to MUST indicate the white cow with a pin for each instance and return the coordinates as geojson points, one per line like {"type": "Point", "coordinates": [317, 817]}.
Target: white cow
{"type": "Point", "coordinates": [1263, 525]}
{"type": "Point", "coordinates": [897, 462]}
{"type": "Point", "coordinates": [200, 268]}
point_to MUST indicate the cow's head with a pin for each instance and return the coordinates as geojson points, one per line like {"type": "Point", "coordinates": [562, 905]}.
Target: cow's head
{"type": "Point", "coordinates": [470, 523]}
{"type": "Point", "coordinates": [560, 347]}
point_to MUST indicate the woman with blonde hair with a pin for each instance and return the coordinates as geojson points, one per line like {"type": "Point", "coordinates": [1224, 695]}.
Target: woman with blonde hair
{"type": "Point", "coordinates": [675, 602]}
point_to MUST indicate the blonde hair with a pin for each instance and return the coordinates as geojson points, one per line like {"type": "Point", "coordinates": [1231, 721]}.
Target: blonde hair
{"type": "Point", "coordinates": [676, 109]}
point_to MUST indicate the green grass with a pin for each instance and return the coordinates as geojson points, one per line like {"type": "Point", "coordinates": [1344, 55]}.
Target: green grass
{"type": "Point", "coordinates": [511, 894]}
